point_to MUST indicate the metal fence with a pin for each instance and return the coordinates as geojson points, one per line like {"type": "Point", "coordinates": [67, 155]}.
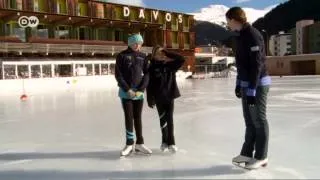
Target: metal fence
{"type": "Point", "coordinates": [63, 48]}
{"type": "Point", "coordinates": [212, 71]}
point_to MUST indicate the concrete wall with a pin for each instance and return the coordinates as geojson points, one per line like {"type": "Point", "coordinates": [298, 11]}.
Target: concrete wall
{"type": "Point", "coordinates": [278, 66]}
{"type": "Point", "coordinates": [282, 65]}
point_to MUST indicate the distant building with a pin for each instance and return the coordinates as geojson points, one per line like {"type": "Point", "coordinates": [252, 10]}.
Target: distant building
{"type": "Point", "coordinates": [305, 37]}
{"type": "Point", "coordinates": [211, 54]}
{"type": "Point", "coordinates": [280, 44]}
{"type": "Point", "coordinates": [305, 47]}
{"type": "Point", "coordinates": [312, 38]}
{"type": "Point", "coordinates": [300, 35]}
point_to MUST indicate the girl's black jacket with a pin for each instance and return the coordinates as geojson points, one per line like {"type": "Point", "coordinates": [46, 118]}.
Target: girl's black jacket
{"type": "Point", "coordinates": [163, 86]}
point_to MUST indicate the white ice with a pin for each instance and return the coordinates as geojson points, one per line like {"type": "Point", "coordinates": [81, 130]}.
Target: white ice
{"type": "Point", "coordinates": [77, 133]}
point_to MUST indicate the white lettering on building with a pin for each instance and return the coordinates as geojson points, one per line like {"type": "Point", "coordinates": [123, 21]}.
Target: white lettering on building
{"type": "Point", "coordinates": [155, 15]}
{"type": "Point", "coordinates": [126, 11]}
{"type": "Point", "coordinates": [141, 15]}
{"type": "Point", "coordinates": [168, 17]}
{"type": "Point", "coordinates": [180, 18]}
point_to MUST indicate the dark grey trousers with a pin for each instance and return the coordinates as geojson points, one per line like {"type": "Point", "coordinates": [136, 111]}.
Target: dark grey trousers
{"type": "Point", "coordinates": [257, 127]}
{"type": "Point", "coordinates": [165, 111]}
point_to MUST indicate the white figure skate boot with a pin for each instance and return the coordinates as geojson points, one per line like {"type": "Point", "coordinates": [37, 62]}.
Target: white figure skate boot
{"type": "Point", "coordinates": [173, 148]}
{"type": "Point", "coordinates": [164, 147]}
{"type": "Point", "coordinates": [240, 159]}
{"type": "Point", "coordinates": [127, 150]}
{"type": "Point", "coordinates": [255, 164]}
{"type": "Point", "coordinates": [141, 148]}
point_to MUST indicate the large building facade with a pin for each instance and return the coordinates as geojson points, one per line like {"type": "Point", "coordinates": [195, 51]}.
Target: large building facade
{"type": "Point", "coordinates": [306, 37]}
{"type": "Point", "coordinates": [50, 38]}
{"type": "Point", "coordinates": [312, 34]}
{"type": "Point", "coordinates": [305, 50]}
{"type": "Point", "coordinates": [300, 35]}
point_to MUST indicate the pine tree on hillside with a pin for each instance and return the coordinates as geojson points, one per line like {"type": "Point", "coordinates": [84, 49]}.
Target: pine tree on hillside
{"type": "Point", "coordinates": [285, 16]}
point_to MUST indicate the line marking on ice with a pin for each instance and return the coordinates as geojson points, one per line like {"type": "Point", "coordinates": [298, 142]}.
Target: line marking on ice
{"type": "Point", "coordinates": [311, 123]}
{"type": "Point", "coordinates": [8, 121]}
{"type": "Point", "coordinates": [16, 162]}
{"type": "Point", "coordinates": [291, 172]}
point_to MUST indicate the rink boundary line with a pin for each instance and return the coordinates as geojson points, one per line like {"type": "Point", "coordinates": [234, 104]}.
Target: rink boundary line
{"type": "Point", "coordinates": [9, 121]}
{"type": "Point", "coordinates": [146, 178]}
{"type": "Point", "coordinates": [16, 162]}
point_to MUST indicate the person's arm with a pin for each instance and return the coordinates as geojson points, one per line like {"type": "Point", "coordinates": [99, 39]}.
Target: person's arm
{"type": "Point", "coordinates": [118, 74]}
{"type": "Point", "coordinates": [150, 91]}
{"type": "Point", "coordinates": [177, 61]}
{"type": "Point", "coordinates": [145, 80]}
{"type": "Point", "coordinates": [238, 74]}
{"type": "Point", "coordinates": [257, 54]}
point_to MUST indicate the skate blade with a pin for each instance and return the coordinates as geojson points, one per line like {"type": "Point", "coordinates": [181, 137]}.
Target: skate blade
{"type": "Point", "coordinates": [172, 151]}
{"type": "Point", "coordinates": [164, 151]}
{"type": "Point", "coordinates": [243, 166]}
{"type": "Point", "coordinates": [125, 156]}
{"type": "Point", "coordinates": [142, 153]}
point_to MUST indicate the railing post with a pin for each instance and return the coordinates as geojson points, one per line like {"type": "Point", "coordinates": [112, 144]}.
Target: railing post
{"type": "Point", "coordinates": [52, 70]}
{"type": "Point", "coordinates": [3, 76]}
{"type": "Point", "coordinates": [29, 71]}
{"type": "Point", "coordinates": [41, 71]}
{"type": "Point", "coordinates": [16, 71]}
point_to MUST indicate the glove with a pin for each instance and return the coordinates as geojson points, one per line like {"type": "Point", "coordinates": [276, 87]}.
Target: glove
{"type": "Point", "coordinates": [131, 93]}
{"type": "Point", "coordinates": [139, 93]}
{"type": "Point", "coordinates": [238, 92]}
{"type": "Point", "coordinates": [251, 97]}
{"type": "Point", "coordinates": [251, 100]}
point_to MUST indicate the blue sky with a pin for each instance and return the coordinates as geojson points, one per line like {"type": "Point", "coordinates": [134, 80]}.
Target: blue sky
{"type": "Point", "coordinates": [189, 6]}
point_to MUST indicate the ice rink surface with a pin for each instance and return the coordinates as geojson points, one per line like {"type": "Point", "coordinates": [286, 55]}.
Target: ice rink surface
{"type": "Point", "coordinates": [78, 133]}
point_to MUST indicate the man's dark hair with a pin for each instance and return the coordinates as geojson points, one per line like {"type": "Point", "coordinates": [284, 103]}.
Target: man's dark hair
{"type": "Point", "coordinates": [238, 14]}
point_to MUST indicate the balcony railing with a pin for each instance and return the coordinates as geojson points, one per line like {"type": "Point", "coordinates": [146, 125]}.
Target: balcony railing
{"type": "Point", "coordinates": [63, 48]}
{"type": "Point", "coordinates": [186, 29]}
{"type": "Point", "coordinates": [175, 45]}
{"type": "Point", "coordinates": [174, 27]}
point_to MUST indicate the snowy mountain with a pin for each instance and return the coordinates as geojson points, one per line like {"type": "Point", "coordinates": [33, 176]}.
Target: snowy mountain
{"type": "Point", "coordinates": [216, 14]}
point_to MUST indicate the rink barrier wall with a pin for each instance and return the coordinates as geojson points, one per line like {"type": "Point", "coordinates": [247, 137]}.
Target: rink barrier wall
{"type": "Point", "coordinates": [33, 86]}
{"type": "Point", "coordinates": [15, 86]}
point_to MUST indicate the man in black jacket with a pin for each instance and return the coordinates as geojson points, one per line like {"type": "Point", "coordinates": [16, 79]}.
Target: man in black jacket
{"type": "Point", "coordinates": [252, 86]}
{"type": "Point", "coordinates": [162, 90]}
{"type": "Point", "coordinates": [131, 72]}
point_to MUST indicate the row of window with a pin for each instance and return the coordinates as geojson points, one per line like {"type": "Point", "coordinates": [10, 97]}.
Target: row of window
{"type": "Point", "coordinates": [56, 70]}
{"type": "Point", "coordinates": [88, 33]}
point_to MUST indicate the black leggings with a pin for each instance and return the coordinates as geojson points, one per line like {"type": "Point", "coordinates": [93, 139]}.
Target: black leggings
{"type": "Point", "coordinates": [165, 111]}
{"type": "Point", "coordinates": [132, 112]}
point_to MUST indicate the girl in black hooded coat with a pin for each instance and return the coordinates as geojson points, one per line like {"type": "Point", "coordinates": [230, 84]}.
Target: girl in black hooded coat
{"type": "Point", "coordinates": [162, 90]}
